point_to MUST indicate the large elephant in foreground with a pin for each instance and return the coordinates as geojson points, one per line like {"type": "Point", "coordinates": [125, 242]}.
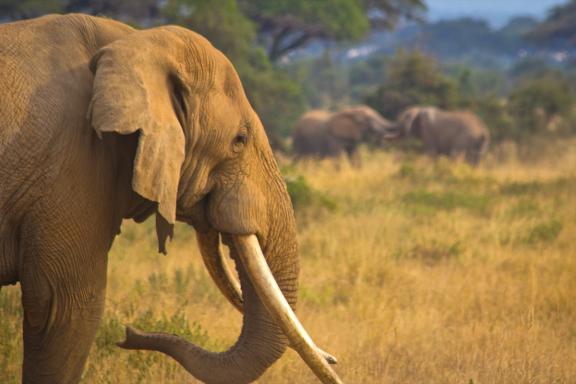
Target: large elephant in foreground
{"type": "Point", "coordinates": [454, 134]}
{"type": "Point", "coordinates": [101, 122]}
{"type": "Point", "coordinates": [324, 134]}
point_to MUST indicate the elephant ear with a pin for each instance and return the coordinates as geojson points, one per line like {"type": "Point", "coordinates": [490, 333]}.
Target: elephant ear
{"type": "Point", "coordinates": [410, 120]}
{"type": "Point", "coordinates": [416, 127]}
{"type": "Point", "coordinates": [346, 125]}
{"type": "Point", "coordinates": [132, 93]}
{"type": "Point", "coordinates": [424, 118]}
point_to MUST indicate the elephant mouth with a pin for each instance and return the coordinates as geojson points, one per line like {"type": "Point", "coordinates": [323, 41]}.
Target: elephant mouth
{"type": "Point", "coordinates": [253, 260]}
{"type": "Point", "coordinates": [249, 254]}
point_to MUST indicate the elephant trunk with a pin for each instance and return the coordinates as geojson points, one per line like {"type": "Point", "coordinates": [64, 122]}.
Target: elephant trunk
{"type": "Point", "coordinates": [269, 293]}
{"type": "Point", "coordinates": [260, 344]}
{"type": "Point", "coordinates": [269, 286]}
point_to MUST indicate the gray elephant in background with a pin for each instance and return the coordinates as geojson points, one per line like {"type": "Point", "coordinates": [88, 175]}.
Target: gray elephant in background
{"type": "Point", "coordinates": [324, 134]}
{"type": "Point", "coordinates": [451, 133]}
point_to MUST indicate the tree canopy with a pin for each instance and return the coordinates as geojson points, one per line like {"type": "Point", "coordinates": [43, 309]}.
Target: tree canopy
{"type": "Point", "coordinates": [559, 26]}
{"type": "Point", "coordinates": [412, 79]}
{"type": "Point", "coordinates": [285, 25]}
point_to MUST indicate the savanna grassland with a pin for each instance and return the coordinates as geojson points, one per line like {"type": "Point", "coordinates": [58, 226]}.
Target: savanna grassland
{"type": "Point", "coordinates": [412, 272]}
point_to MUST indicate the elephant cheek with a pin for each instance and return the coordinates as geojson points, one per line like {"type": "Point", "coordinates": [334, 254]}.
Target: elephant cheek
{"type": "Point", "coordinates": [239, 210]}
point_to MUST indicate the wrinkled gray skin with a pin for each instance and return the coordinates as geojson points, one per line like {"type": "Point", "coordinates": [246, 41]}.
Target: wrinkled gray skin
{"type": "Point", "coordinates": [323, 134]}
{"type": "Point", "coordinates": [101, 122]}
{"type": "Point", "coordinates": [458, 134]}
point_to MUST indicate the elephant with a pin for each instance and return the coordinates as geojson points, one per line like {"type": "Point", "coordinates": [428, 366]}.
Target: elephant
{"type": "Point", "coordinates": [450, 133]}
{"type": "Point", "coordinates": [102, 122]}
{"type": "Point", "coordinates": [324, 134]}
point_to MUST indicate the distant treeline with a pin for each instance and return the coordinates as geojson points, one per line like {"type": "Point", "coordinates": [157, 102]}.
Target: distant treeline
{"type": "Point", "coordinates": [269, 43]}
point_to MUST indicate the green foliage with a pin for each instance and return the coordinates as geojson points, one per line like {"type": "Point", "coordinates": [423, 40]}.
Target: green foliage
{"type": "Point", "coordinates": [494, 112]}
{"type": "Point", "coordinates": [10, 331]}
{"type": "Point", "coordinates": [530, 67]}
{"type": "Point", "coordinates": [275, 97]}
{"type": "Point", "coordinates": [413, 79]}
{"type": "Point", "coordinates": [559, 26]}
{"type": "Point", "coordinates": [537, 187]}
{"type": "Point", "coordinates": [544, 232]}
{"type": "Point", "coordinates": [448, 201]}
{"type": "Point", "coordinates": [303, 196]}
{"type": "Point", "coordinates": [448, 37]}
{"type": "Point", "coordinates": [220, 21]}
{"type": "Point", "coordinates": [537, 101]}
{"type": "Point", "coordinates": [286, 25]}
{"type": "Point", "coordinates": [24, 9]}
{"type": "Point", "coordinates": [324, 81]}
{"type": "Point", "coordinates": [338, 18]}
{"type": "Point", "coordinates": [432, 253]}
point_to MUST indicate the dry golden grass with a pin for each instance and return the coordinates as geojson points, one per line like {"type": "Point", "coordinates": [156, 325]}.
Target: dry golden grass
{"type": "Point", "coordinates": [424, 272]}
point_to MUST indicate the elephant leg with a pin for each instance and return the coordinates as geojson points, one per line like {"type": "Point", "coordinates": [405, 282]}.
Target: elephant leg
{"type": "Point", "coordinates": [60, 322]}
{"type": "Point", "coordinates": [431, 150]}
{"type": "Point", "coordinates": [456, 155]}
{"type": "Point", "coordinates": [63, 289]}
{"type": "Point", "coordinates": [472, 157]}
{"type": "Point", "coordinates": [354, 157]}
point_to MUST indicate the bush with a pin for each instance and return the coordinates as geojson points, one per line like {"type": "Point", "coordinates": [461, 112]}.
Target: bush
{"type": "Point", "coordinates": [537, 102]}
{"type": "Point", "coordinates": [303, 196]}
{"type": "Point", "coordinates": [413, 79]}
{"type": "Point", "coordinates": [545, 232]}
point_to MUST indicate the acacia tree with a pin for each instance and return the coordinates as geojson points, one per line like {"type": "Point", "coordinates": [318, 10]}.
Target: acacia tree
{"type": "Point", "coordinates": [286, 25]}
{"type": "Point", "coordinates": [413, 79]}
{"type": "Point", "coordinates": [277, 99]}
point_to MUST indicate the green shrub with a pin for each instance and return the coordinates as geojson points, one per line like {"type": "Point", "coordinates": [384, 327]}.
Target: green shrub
{"type": "Point", "coordinates": [303, 196]}
{"type": "Point", "coordinates": [545, 232]}
{"type": "Point", "coordinates": [413, 79]}
{"type": "Point", "coordinates": [447, 201]}
{"type": "Point", "coordinates": [537, 101]}
{"type": "Point", "coordinates": [432, 253]}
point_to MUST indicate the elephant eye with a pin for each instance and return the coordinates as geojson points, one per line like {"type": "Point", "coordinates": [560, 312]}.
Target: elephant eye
{"type": "Point", "coordinates": [239, 142]}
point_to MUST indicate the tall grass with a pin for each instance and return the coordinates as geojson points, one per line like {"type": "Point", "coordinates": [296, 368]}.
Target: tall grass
{"type": "Point", "coordinates": [417, 271]}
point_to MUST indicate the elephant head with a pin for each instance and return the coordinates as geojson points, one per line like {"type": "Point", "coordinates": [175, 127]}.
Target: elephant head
{"type": "Point", "coordinates": [202, 157]}
{"type": "Point", "coordinates": [411, 121]}
{"type": "Point", "coordinates": [367, 126]}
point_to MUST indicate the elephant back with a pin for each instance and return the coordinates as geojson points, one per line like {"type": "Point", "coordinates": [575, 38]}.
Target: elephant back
{"type": "Point", "coordinates": [307, 136]}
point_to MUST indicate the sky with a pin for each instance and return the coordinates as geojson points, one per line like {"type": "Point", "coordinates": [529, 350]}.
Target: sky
{"type": "Point", "coordinates": [496, 11]}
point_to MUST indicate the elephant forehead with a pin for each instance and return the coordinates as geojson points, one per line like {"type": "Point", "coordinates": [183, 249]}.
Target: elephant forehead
{"type": "Point", "coordinates": [223, 116]}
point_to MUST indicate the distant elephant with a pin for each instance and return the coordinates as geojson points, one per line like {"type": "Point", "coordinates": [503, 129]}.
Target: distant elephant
{"type": "Point", "coordinates": [453, 134]}
{"type": "Point", "coordinates": [101, 122]}
{"type": "Point", "coordinates": [324, 134]}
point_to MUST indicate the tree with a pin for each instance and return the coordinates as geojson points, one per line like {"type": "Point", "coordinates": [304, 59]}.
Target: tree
{"type": "Point", "coordinates": [139, 12]}
{"type": "Point", "coordinates": [25, 9]}
{"type": "Point", "coordinates": [559, 27]}
{"type": "Point", "coordinates": [277, 99]}
{"type": "Point", "coordinates": [537, 102]}
{"type": "Point", "coordinates": [285, 25]}
{"type": "Point", "coordinates": [413, 79]}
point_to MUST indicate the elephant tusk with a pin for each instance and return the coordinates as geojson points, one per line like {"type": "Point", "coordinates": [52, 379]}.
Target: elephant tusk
{"type": "Point", "coordinates": [269, 292]}
{"type": "Point", "coordinates": [224, 278]}
{"type": "Point", "coordinates": [218, 268]}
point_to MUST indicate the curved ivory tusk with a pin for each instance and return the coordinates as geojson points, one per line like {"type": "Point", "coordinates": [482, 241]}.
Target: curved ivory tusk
{"type": "Point", "coordinates": [269, 292]}
{"type": "Point", "coordinates": [226, 281]}
{"type": "Point", "coordinates": [218, 268]}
